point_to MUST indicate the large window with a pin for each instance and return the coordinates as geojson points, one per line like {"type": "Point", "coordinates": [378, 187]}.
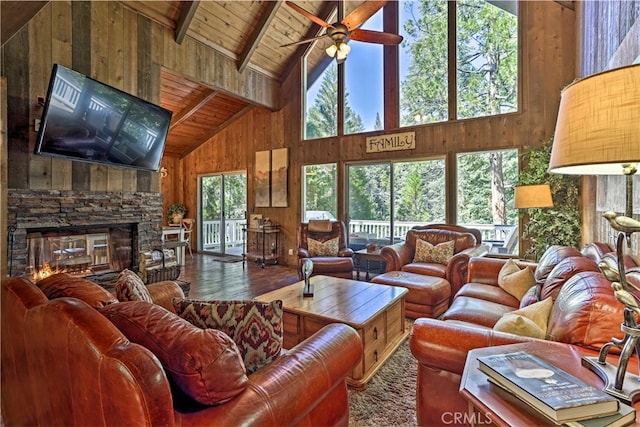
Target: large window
{"type": "Point", "coordinates": [387, 199]}
{"type": "Point", "coordinates": [486, 182]}
{"type": "Point", "coordinates": [445, 73]}
{"type": "Point", "coordinates": [319, 192]}
{"type": "Point", "coordinates": [364, 89]}
{"type": "Point", "coordinates": [487, 58]}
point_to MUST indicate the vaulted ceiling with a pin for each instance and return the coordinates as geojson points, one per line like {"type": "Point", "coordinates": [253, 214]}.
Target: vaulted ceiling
{"type": "Point", "coordinates": [250, 32]}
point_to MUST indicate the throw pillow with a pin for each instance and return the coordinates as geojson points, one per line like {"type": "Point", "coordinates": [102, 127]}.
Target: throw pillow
{"type": "Point", "coordinates": [318, 248]}
{"type": "Point", "coordinates": [205, 364]}
{"type": "Point", "coordinates": [130, 287]}
{"type": "Point", "coordinates": [532, 296]}
{"type": "Point", "coordinates": [515, 281]}
{"type": "Point", "coordinates": [255, 326]}
{"type": "Point", "coordinates": [439, 254]}
{"type": "Point", "coordinates": [64, 285]}
{"type": "Point", "coordinates": [530, 321]}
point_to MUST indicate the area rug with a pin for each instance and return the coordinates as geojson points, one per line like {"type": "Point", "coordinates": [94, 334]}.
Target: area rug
{"type": "Point", "coordinates": [389, 399]}
{"type": "Point", "coordinates": [225, 258]}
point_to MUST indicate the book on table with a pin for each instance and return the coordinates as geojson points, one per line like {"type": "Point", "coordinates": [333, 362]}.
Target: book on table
{"type": "Point", "coordinates": [556, 394]}
{"type": "Point", "coordinates": [625, 416]}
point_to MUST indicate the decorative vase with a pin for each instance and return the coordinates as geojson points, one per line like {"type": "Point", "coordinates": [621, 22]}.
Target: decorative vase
{"type": "Point", "coordinates": [177, 218]}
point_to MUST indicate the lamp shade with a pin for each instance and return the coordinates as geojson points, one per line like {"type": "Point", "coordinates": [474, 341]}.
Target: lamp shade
{"type": "Point", "coordinates": [598, 125]}
{"type": "Point", "coordinates": [533, 196]}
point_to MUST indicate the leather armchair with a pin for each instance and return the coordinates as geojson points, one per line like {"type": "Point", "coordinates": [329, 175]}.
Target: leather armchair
{"type": "Point", "coordinates": [468, 243]}
{"type": "Point", "coordinates": [340, 265]}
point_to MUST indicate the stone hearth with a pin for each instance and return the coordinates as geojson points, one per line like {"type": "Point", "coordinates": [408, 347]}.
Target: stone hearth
{"type": "Point", "coordinates": [30, 210]}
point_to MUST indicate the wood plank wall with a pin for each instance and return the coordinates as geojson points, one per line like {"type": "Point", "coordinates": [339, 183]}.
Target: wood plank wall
{"type": "Point", "coordinates": [609, 38]}
{"type": "Point", "coordinates": [548, 43]}
{"type": "Point", "coordinates": [3, 174]}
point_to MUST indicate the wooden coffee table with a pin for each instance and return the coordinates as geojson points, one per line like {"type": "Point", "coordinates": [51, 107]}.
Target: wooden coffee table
{"type": "Point", "coordinates": [375, 311]}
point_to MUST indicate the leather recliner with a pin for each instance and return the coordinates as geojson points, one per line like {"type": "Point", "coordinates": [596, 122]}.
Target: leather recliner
{"type": "Point", "coordinates": [337, 265]}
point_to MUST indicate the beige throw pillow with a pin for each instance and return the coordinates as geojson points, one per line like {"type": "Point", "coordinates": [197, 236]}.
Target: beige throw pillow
{"type": "Point", "coordinates": [515, 281]}
{"type": "Point", "coordinates": [328, 248]}
{"type": "Point", "coordinates": [439, 254]}
{"type": "Point", "coordinates": [530, 321]}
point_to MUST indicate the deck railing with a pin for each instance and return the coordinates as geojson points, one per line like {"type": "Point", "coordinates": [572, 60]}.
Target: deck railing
{"type": "Point", "coordinates": [501, 238]}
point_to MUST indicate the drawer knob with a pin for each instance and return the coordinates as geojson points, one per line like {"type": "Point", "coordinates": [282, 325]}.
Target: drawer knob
{"type": "Point", "coordinates": [375, 355]}
{"type": "Point", "coordinates": [375, 333]}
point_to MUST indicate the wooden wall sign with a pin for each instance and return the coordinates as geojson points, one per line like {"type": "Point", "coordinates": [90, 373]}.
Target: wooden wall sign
{"type": "Point", "coordinates": [392, 142]}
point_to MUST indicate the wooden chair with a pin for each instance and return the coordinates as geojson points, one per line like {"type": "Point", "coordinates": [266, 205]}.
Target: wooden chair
{"type": "Point", "coordinates": [187, 224]}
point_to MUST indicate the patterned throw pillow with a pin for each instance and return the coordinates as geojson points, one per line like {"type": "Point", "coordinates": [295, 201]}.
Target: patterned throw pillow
{"type": "Point", "coordinates": [130, 287]}
{"type": "Point", "coordinates": [255, 327]}
{"type": "Point", "coordinates": [328, 248]}
{"type": "Point", "coordinates": [439, 254]}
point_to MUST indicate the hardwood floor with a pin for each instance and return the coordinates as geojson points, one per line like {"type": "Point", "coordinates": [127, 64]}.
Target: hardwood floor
{"type": "Point", "coordinates": [211, 279]}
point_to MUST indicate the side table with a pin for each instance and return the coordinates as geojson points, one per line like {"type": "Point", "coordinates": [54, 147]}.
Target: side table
{"type": "Point", "coordinates": [367, 256]}
{"type": "Point", "coordinates": [490, 405]}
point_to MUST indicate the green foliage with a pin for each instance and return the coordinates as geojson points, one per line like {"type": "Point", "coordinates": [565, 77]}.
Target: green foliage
{"type": "Point", "coordinates": [175, 208]}
{"type": "Point", "coordinates": [322, 118]}
{"type": "Point", "coordinates": [235, 196]}
{"type": "Point", "coordinates": [320, 188]}
{"type": "Point", "coordinates": [559, 225]}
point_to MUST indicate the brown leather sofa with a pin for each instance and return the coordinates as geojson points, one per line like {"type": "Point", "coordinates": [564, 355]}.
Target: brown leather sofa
{"type": "Point", "coordinates": [340, 265]}
{"type": "Point", "coordinates": [64, 363]}
{"type": "Point", "coordinates": [585, 313]}
{"type": "Point", "coordinates": [468, 243]}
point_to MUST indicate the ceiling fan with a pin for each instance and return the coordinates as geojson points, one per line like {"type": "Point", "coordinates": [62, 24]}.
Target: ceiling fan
{"type": "Point", "coordinates": [348, 29]}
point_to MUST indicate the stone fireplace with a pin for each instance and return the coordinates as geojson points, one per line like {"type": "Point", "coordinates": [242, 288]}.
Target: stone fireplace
{"type": "Point", "coordinates": [80, 232]}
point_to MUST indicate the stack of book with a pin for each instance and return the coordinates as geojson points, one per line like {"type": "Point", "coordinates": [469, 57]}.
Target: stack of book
{"type": "Point", "coordinates": [559, 396]}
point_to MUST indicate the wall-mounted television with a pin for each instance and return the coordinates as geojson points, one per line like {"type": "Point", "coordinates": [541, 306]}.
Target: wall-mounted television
{"type": "Point", "coordinates": [86, 120]}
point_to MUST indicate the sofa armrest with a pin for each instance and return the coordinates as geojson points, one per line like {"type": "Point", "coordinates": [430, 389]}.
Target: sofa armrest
{"type": "Point", "coordinates": [458, 266]}
{"type": "Point", "coordinates": [163, 293]}
{"type": "Point", "coordinates": [345, 252]}
{"type": "Point", "coordinates": [443, 345]}
{"type": "Point", "coordinates": [303, 253]}
{"type": "Point", "coordinates": [397, 255]}
{"type": "Point", "coordinates": [287, 391]}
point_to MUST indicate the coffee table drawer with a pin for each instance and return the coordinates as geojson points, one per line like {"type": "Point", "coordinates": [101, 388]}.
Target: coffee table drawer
{"type": "Point", "coordinates": [395, 319]}
{"type": "Point", "coordinates": [374, 332]}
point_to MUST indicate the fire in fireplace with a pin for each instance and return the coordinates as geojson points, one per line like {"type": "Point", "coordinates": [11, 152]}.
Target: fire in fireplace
{"type": "Point", "coordinates": [81, 250]}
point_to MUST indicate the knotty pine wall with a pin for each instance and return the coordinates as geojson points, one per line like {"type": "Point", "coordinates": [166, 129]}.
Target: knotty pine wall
{"type": "Point", "coordinates": [547, 58]}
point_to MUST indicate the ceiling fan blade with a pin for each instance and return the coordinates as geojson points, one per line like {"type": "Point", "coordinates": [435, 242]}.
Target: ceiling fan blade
{"type": "Point", "coordinates": [361, 13]}
{"type": "Point", "coordinates": [375, 37]}
{"type": "Point", "coordinates": [305, 41]}
{"type": "Point", "coordinates": [309, 15]}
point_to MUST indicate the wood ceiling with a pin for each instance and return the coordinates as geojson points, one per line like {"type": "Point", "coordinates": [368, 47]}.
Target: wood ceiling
{"type": "Point", "coordinates": [251, 32]}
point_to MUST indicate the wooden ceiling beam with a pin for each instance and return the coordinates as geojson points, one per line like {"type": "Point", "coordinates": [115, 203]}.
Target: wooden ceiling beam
{"type": "Point", "coordinates": [193, 107]}
{"type": "Point", "coordinates": [315, 30]}
{"type": "Point", "coordinates": [217, 130]}
{"type": "Point", "coordinates": [15, 14]}
{"type": "Point", "coordinates": [569, 4]}
{"type": "Point", "coordinates": [258, 32]}
{"type": "Point", "coordinates": [187, 12]}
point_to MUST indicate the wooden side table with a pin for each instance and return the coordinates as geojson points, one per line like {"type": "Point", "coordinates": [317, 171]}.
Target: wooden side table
{"type": "Point", "coordinates": [490, 405]}
{"type": "Point", "coordinates": [367, 256]}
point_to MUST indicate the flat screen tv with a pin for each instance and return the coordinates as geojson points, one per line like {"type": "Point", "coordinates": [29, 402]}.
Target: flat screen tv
{"type": "Point", "coordinates": [90, 121]}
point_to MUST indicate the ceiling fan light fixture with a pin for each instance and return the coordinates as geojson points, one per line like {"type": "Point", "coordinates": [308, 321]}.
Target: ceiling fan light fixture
{"type": "Point", "coordinates": [331, 50]}
{"type": "Point", "coordinates": [344, 48]}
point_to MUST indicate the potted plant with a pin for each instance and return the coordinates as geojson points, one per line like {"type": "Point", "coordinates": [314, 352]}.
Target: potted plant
{"type": "Point", "coordinates": [559, 225]}
{"type": "Point", "coordinates": [175, 213]}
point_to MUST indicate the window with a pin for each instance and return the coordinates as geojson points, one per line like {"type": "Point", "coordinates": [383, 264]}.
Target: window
{"type": "Point", "coordinates": [394, 196]}
{"type": "Point", "coordinates": [487, 58]}
{"type": "Point", "coordinates": [466, 71]}
{"type": "Point", "coordinates": [423, 62]}
{"type": "Point", "coordinates": [486, 182]}
{"type": "Point", "coordinates": [364, 88]}
{"type": "Point", "coordinates": [319, 186]}
{"type": "Point", "coordinates": [321, 106]}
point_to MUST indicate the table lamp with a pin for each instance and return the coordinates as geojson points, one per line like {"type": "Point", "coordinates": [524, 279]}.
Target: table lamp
{"type": "Point", "coordinates": [598, 133]}
{"type": "Point", "coordinates": [532, 197]}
